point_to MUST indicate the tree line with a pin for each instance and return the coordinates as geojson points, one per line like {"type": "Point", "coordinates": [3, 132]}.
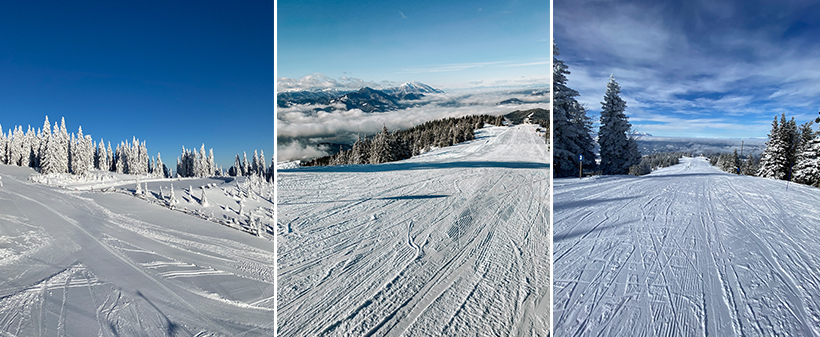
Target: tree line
{"type": "Point", "coordinates": [792, 153]}
{"type": "Point", "coordinates": [55, 150]}
{"type": "Point", "coordinates": [402, 144]}
{"type": "Point", "coordinates": [573, 143]}
{"type": "Point", "coordinates": [655, 161]}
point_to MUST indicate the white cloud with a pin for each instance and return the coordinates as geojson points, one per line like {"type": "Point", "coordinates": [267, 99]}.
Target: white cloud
{"type": "Point", "coordinates": [320, 81]}
{"type": "Point", "coordinates": [302, 122]}
{"type": "Point", "coordinates": [298, 151]}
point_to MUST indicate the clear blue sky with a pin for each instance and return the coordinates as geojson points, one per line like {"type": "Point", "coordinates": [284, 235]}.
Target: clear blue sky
{"type": "Point", "coordinates": [448, 44]}
{"type": "Point", "coordinates": [695, 68]}
{"type": "Point", "coordinates": [171, 73]}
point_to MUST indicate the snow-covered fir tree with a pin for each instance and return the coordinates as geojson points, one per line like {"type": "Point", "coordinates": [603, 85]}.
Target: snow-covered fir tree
{"type": "Point", "coordinates": [203, 200]}
{"type": "Point", "coordinates": [807, 169]}
{"type": "Point", "coordinates": [380, 149]}
{"type": "Point", "coordinates": [245, 165]}
{"type": "Point", "coordinates": [571, 126]}
{"type": "Point", "coordinates": [775, 161]}
{"type": "Point", "coordinates": [617, 152]}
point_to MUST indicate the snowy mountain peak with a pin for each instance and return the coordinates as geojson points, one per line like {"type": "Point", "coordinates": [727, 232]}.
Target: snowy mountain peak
{"type": "Point", "coordinates": [413, 88]}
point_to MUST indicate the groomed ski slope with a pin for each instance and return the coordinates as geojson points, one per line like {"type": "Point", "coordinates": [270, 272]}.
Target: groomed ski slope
{"type": "Point", "coordinates": [686, 251]}
{"type": "Point", "coordinates": [453, 242]}
{"type": "Point", "coordinates": [81, 263]}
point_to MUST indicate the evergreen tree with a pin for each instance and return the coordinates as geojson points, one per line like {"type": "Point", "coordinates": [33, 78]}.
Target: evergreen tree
{"type": "Point", "coordinates": [262, 165]}
{"type": "Point", "coordinates": [52, 157]}
{"type": "Point", "coordinates": [237, 167]}
{"type": "Point", "coordinates": [103, 160]}
{"type": "Point", "coordinates": [380, 151]}
{"type": "Point", "coordinates": [774, 162]}
{"type": "Point", "coordinates": [44, 136]}
{"type": "Point", "coordinates": [110, 159]}
{"type": "Point", "coordinates": [245, 166]}
{"type": "Point", "coordinates": [617, 152]}
{"type": "Point", "coordinates": [255, 162]}
{"type": "Point", "coordinates": [203, 200]}
{"type": "Point", "coordinates": [211, 165]}
{"type": "Point", "coordinates": [807, 169]}
{"type": "Point", "coordinates": [571, 126]}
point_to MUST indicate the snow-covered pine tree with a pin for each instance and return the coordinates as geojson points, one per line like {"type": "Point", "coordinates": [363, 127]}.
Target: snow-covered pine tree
{"type": "Point", "coordinates": [360, 153]}
{"type": "Point", "coordinates": [203, 200]}
{"type": "Point", "coordinates": [571, 126]}
{"type": "Point", "coordinates": [211, 165]}
{"type": "Point", "coordinates": [159, 170]}
{"type": "Point", "coordinates": [735, 163]}
{"type": "Point", "coordinates": [15, 146]}
{"type": "Point", "coordinates": [255, 162]}
{"type": "Point", "coordinates": [143, 158]}
{"type": "Point", "coordinates": [103, 160]}
{"type": "Point", "coordinates": [202, 160]}
{"type": "Point", "coordinates": [180, 167]}
{"type": "Point", "coordinates": [25, 147]}
{"type": "Point", "coordinates": [616, 153]}
{"type": "Point", "coordinates": [245, 165]}
{"type": "Point", "coordinates": [88, 153]}
{"type": "Point", "coordinates": [262, 165]}
{"type": "Point", "coordinates": [774, 162]}
{"type": "Point", "coordinates": [72, 149]}
{"type": "Point", "coordinates": [138, 190]}
{"type": "Point", "coordinates": [237, 167]}
{"type": "Point", "coordinates": [64, 146]}
{"type": "Point", "coordinates": [44, 136]}
{"type": "Point", "coordinates": [119, 162]}
{"type": "Point", "coordinates": [807, 169]}
{"type": "Point", "coordinates": [172, 201]}
{"type": "Point", "coordinates": [380, 150]}
{"type": "Point", "coordinates": [111, 161]}
{"type": "Point", "coordinates": [52, 156]}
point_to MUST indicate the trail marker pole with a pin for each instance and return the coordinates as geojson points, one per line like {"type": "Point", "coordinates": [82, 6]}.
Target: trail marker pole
{"type": "Point", "coordinates": [580, 166]}
{"type": "Point", "coordinates": [790, 177]}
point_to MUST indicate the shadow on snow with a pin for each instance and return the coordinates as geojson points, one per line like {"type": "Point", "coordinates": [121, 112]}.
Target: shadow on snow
{"type": "Point", "coordinates": [403, 197]}
{"type": "Point", "coordinates": [420, 166]}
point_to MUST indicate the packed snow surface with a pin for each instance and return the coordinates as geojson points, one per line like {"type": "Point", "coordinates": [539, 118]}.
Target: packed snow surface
{"type": "Point", "coordinates": [452, 242]}
{"type": "Point", "coordinates": [687, 250]}
{"type": "Point", "coordinates": [77, 262]}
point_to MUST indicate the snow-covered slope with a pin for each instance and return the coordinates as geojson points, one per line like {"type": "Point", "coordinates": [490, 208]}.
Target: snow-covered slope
{"type": "Point", "coordinates": [453, 242]}
{"type": "Point", "coordinates": [687, 250]}
{"type": "Point", "coordinates": [82, 263]}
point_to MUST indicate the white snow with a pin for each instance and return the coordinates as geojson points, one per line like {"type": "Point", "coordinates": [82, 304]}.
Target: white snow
{"type": "Point", "coordinates": [686, 250]}
{"type": "Point", "coordinates": [452, 242]}
{"type": "Point", "coordinates": [79, 263]}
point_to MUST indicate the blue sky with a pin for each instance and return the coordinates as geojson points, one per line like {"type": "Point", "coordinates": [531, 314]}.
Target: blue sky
{"type": "Point", "coordinates": [695, 68]}
{"type": "Point", "coordinates": [170, 73]}
{"type": "Point", "coordinates": [446, 44]}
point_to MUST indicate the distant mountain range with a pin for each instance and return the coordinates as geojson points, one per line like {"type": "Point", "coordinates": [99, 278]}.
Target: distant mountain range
{"type": "Point", "coordinates": [533, 115]}
{"type": "Point", "coordinates": [366, 99]}
{"type": "Point", "coordinates": [706, 146]}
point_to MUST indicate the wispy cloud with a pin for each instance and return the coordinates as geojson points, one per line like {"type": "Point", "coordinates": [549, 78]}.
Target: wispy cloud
{"type": "Point", "coordinates": [402, 15]}
{"type": "Point", "coordinates": [719, 69]}
{"type": "Point", "coordinates": [451, 67]}
{"type": "Point", "coordinates": [320, 81]}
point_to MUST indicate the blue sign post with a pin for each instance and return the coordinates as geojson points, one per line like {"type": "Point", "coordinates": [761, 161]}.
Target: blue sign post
{"type": "Point", "coordinates": [580, 166]}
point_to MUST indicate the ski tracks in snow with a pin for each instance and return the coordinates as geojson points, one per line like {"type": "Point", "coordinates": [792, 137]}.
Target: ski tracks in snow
{"type": "Point", "coordinates": [686, 248]}
{"type": "Point", "coordinates": [460, 248]}
{"type": "Point", "coordinates": [110, 266]}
